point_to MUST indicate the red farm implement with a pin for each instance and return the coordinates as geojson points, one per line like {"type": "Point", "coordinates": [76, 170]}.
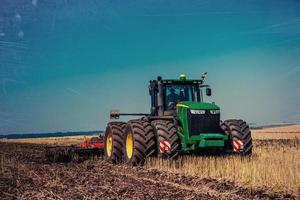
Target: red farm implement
{"type": "Point", "coordinates": [92, 148]}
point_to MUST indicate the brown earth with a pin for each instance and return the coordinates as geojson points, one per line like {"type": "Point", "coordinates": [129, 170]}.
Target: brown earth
{"type": "Point", "coordinates": [25, 174]}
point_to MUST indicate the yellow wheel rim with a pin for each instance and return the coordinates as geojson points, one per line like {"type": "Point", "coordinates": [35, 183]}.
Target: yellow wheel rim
{"type": "Point", "coordinates": [109, 145]}
{"type": "Point", "coordinates": [129, 145]}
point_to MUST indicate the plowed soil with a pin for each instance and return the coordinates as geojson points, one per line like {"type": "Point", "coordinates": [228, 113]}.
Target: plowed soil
{"type": "Point", "coordinates": [25, 174]}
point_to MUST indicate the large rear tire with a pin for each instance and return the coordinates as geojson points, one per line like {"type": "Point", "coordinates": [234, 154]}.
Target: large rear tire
{"type": "Point", "coordinates": [238, 130]}
{"type": "Point", "coordinates": [166, 131]}
{"type": "Point", "coordinates": [139, 142]}
{"type": "Point", "coordinates": [113, 142]}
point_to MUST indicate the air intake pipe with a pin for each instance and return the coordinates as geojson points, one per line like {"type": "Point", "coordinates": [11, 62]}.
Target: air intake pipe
{"type": "Point", "coordinates": [160, 100]}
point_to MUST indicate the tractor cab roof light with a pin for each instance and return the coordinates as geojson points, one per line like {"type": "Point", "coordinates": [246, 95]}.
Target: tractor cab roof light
{"type": "Point", "coordinates": [182, 77]}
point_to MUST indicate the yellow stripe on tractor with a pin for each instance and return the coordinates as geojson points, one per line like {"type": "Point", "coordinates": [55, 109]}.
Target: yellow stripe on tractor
{"type": "Point", "coordinates": [182, 105]}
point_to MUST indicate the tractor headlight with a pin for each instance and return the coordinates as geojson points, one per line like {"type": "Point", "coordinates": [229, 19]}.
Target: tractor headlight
{"type": "Point", "coordinates": [215, 112]}
{"type": "Point", "coordinates": [198, 112]}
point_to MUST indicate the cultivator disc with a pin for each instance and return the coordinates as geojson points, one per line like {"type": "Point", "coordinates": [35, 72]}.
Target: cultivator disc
{"type": "Point", "coordinates": [58, 154]}
{"type": "Point", "coordinates": [89, 149]}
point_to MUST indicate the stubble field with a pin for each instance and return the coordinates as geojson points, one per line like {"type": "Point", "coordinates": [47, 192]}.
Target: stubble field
{"type": "Point", "coordinates": [272, 172]}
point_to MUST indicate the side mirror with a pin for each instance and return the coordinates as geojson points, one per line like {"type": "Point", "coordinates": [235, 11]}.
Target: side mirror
{"type": "Point", "coordinates": [208, 92]}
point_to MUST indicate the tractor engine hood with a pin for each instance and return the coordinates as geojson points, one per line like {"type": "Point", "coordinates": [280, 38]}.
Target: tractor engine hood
{"type": "Point", "coordinates": [198, 105]}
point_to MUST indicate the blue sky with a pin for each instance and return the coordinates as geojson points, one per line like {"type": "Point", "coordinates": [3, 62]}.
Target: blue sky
{"type": "Point", "coordinates": [65, 64]}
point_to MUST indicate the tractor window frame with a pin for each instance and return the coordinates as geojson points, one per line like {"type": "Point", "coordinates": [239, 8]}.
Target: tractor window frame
{"type": "Point", "coordinates": [194, 92]}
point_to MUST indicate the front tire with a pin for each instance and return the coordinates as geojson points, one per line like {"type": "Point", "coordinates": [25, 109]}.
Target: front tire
{"type": "Point", "coordinates": [238, 130]}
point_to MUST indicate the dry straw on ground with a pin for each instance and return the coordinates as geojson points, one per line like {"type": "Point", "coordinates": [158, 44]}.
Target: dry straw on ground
{"type": "Point", "coordinates": [275, 162]}
{"type": "Point", "coordinates": [285, 132]}
{"type": "Point", "coordinates": [68, 140]}
{"type": "Point", "coordinates": [274, 167]}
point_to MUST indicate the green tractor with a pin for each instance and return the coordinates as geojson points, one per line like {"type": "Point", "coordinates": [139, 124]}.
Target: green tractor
{"type": "Point", "coordinates": [179, 122]}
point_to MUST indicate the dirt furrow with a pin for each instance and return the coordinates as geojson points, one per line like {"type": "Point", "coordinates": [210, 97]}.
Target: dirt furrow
{"type": "Point", "coordinates": [196, 191]}
{"type": "Point", "coordinates": [214, 188]}
{"type": "Point", "coordinates": [25, 174]}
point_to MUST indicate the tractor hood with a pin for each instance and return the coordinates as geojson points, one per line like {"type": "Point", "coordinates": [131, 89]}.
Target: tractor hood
{"type": "Point", "coordinates": [198, 105]}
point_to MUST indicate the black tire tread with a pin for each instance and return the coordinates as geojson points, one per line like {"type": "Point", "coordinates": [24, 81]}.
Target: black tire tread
{"type": "Point", "coordinates": [117, 130]}
{"type": "Point", "coordinates": [166, 130]}
{"type": "Point", "coordinates": [144, 141]}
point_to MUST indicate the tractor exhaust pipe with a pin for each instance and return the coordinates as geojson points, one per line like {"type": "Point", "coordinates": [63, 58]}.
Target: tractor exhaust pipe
{"type": "Point", "coordinates": [160, 102]}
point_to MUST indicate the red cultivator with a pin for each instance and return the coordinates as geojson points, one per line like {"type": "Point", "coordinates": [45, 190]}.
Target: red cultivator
{"type": "Point", "coordinates": [92, 148]}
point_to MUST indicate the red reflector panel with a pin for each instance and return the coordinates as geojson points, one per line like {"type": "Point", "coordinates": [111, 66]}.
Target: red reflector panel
{"type": "Point", "coordinates": [164, 146]}
{"type": "Point", "coordinates": [237, 145]}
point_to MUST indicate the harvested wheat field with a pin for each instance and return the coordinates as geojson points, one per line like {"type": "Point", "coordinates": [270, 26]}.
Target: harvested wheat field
{"type": "Point", "coordinates": [68, 140]}
{"type": "Point", "coordinates": [271, 173]}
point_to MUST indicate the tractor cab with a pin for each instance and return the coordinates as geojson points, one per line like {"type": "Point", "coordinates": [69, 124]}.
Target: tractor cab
{"type": "Point", "coordinates": [166, 95]}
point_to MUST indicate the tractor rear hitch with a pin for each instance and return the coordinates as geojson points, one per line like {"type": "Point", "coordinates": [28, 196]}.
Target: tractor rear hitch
{"type": "Point", "coordinates": [115, 114]}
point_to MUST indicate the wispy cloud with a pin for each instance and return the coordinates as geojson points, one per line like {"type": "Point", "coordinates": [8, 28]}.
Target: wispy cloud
{"type": "Point", "coordinates": [73, 91]}
{"type": "Point", "coordinates": [296, 69]}
{"type": "Point", "coordinates": [288, 26]}
{"type": "Point", "coordinates": [196, 13]}
{"type": "Point", "coordinates": [4, 83]}
{"type": "Point", "coordinates": [22, 45]}
{"type": "Point", "coordinates": [293, 71]}
{"type": "Point", "coordinates": [287, 74]}
{"type": "Point", "coordinates": [283, 41]}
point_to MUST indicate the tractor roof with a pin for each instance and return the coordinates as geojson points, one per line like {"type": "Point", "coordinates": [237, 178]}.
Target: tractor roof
{"type": "Point", "coordinates": [179, 82]}
{"type": "Point", "coordinates": [176, 81]}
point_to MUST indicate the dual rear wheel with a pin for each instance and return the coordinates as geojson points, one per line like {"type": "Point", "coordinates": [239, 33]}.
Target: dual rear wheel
{"type": "Point", "coordinates": [131, 143]}
{"type": "Point", "coordinates": [113, 140]}
{"type": "Point", "coordinates": [137, 140]}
